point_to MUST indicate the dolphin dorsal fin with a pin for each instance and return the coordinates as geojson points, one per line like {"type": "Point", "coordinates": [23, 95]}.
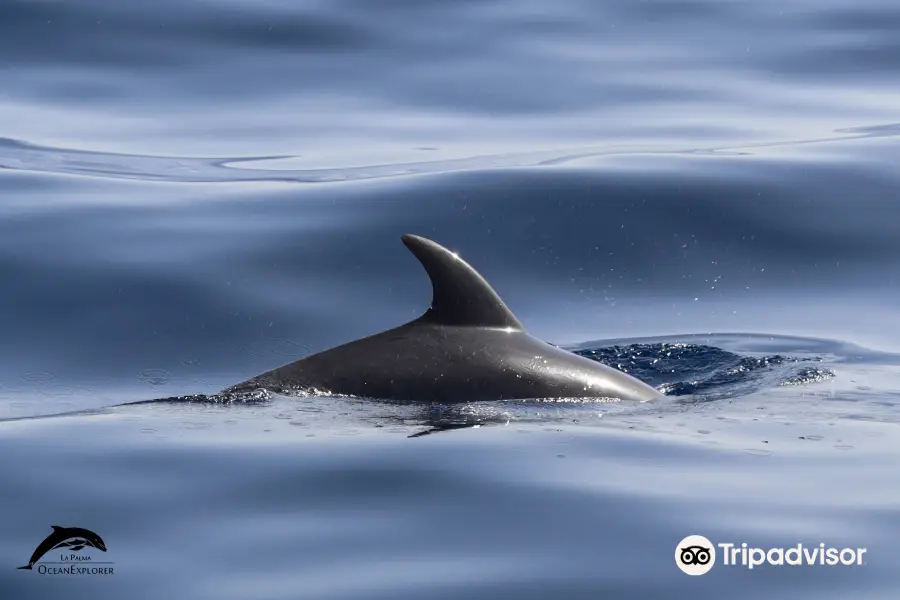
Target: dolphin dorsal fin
{"type": "Point", "coordinates": [461, 296]}
{"type": "Point", "coordinates": [56, 527]}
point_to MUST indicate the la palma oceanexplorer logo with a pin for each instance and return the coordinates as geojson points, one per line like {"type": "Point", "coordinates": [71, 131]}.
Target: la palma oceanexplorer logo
{"type": "Point", "coordinates": [69, 541]}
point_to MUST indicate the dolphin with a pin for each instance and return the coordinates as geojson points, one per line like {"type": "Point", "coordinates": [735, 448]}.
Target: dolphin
{"type": "Point", "coordinates": [60, 539]}
{"type": "Point", "coordinates": [468, 346]}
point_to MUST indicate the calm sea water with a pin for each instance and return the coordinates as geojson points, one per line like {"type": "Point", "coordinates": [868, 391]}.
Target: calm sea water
{"type": "Point", "coordinates": [701, 192]}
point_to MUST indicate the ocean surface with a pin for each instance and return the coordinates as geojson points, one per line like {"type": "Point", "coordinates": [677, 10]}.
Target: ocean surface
{"type": "Point", "coordinates": [703, 193]}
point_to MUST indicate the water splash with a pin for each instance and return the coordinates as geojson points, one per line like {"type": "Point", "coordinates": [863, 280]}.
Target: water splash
{"type": "Point", "coordinates": [707, 372]}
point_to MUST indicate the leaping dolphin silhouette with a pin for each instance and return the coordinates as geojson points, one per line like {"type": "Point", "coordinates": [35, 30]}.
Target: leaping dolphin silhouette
{"type": "Point", "coordinates": [468, 346]}
{"type": "Point", "coordinates": [60, 539]}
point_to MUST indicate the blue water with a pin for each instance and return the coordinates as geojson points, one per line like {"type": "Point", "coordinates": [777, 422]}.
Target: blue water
{"type": "Point", "coordinates": [703, 193]}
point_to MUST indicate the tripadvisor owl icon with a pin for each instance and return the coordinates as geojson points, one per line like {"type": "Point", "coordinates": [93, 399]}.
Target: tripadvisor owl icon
{"type": "Point", "coordinates": [695, 555]}
{"type": "Point", "coordinates": [67, 551]}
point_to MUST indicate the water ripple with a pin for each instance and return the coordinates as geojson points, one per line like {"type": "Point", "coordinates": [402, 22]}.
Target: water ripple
{"type": "Point", "coordinates": [18, 155]}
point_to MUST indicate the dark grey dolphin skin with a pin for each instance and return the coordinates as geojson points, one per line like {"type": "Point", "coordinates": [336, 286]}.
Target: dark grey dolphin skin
{"type": "Point", "coordinates": [61, 535]}
{"type": "Point", "coordinates": [468, 346]}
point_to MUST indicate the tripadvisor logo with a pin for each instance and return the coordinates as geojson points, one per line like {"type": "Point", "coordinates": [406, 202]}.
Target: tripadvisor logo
{"type": "Point", "coordinates": [69, 542]}
{"type": "Point", "coordinates": [696, 555]}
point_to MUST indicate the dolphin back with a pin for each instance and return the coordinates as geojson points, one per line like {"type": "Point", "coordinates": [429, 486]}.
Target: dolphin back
{"type": "Point", "coordinates": [467, 346]}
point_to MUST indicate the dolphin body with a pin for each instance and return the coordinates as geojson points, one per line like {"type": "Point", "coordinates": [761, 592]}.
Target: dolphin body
{"type": "Point", "coordinates": [468, 346]}
{"type": "Point", "coordinates": [58, 539]}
